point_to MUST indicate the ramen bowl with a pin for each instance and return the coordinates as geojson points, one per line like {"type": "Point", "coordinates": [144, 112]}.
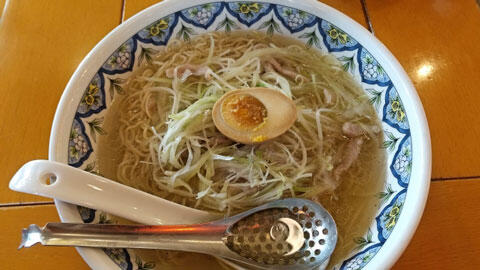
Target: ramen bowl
{"type": "Point", "coordinates": [102, 75]}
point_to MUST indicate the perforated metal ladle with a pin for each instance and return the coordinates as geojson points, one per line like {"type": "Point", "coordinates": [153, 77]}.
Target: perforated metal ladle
{"type": "Point", "coordinates": [284, 234]}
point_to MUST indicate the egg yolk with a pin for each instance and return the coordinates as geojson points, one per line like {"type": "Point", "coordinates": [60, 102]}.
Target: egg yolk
{"type": "Point", "coordinates": [244, 112]}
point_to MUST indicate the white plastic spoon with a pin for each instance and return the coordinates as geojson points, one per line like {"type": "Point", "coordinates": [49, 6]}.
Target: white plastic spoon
{"type": "Point", "coordinates": [59, 181]}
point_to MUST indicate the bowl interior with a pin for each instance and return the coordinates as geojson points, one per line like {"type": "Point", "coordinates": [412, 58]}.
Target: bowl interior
{"type": "Point", "coordinates": [103, 73]}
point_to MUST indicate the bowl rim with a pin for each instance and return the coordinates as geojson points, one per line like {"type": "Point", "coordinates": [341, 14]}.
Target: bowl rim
{"type": "Point", "coordinates": [421, 161]}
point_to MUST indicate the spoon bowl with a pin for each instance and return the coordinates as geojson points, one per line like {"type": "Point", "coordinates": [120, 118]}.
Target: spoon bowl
{"type": "Point", "coordinates": [284, 235]}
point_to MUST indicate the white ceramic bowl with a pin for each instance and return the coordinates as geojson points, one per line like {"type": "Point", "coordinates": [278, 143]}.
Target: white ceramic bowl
{"type": "Point", "coordinates": [93, 85]}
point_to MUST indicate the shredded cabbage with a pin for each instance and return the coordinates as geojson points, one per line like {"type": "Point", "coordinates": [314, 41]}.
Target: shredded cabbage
{"type": "Point", "coordinates": [170, 141]}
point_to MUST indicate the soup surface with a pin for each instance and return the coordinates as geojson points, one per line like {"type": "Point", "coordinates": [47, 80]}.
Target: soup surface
{"type": "Point", "coordinates": [161, 138]}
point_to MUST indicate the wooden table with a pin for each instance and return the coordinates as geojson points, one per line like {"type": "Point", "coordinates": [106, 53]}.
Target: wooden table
{"type": "Point", "coordinates": [42, 42]}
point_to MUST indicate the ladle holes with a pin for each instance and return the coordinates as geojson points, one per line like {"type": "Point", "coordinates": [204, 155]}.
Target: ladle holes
{"type": "Point", "coordinates": [255, 241]}
{"type": "Point", "coordinates": [262, 238]}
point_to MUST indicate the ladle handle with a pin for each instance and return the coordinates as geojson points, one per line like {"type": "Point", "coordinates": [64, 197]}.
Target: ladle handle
{"type": "Point", "coordinates": [59, 181]}
{"type": "Point", "coordinates": [204, 238]}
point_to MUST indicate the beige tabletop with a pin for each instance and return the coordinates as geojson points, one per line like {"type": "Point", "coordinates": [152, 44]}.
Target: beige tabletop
{"type": "Point", "coordinates": [436, 41]}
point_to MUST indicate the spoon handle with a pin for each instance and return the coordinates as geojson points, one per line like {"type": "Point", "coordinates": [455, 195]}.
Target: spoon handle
{"type": "Point", "coordinates": [59, 181]}
{"type": "Point", "coordinates": [204, 238]}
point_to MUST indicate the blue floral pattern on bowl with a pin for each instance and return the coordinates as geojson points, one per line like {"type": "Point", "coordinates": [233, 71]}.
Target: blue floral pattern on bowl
{"type": "Point", "coordinates": [394, 112]}
{"type": "Point", "coordinates": [122, 59]}
{"type": "Point", "coordinates": [402, 164]}
{"type": "Point", "coordinates": [249, 13]}
{"type": "Point", "coordinates": [79, 145]}
{"type": "Point", "coordinates": [93, 99]}
{"type": "Point", "coordinates": [293, 19]}
{"type": "Point", "coordinates": [270, 18]}
{"type": "Point", "coordinates": [361, 259]}
{"type": "Point", "coordinates": [120, 256]}
{"type": "Point", "coordinates": [202, 15]}
{"type": "Point", "coordinates": [388, 217]}
{"type": "Point", "coordinates": [87, 214]}
{"type": "Point", "coordinates": [335, 38]}
{"type": "Point", "coordinates": [371, 71]}
{"type": "Point", "coordinates": [159, 32]}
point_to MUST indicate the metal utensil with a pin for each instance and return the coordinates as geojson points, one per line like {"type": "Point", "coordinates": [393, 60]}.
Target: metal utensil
{"type": "Point", "coordinates": [284, 234]}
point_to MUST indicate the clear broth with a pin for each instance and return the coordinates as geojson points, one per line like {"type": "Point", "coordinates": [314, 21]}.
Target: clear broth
{"type": "Point", "coordinates": [353, 206]}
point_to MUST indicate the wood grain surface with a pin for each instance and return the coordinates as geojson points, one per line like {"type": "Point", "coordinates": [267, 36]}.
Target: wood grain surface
{"type": "Point", "coordinates": [437, 42]}
{"type": "Point", "coordinates": [41, 44]}
{"type": "Point", "coordinates": [13, 219]}
{"type": "Point", "coordinates": [2, 5]}
{"type": "Point", "coordinates": [448, 236]}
